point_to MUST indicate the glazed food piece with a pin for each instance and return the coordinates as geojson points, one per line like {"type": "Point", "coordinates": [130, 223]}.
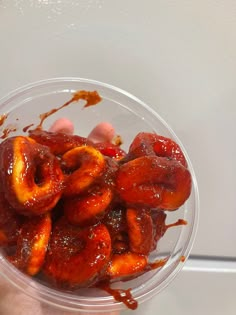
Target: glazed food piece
{"type": "Point", "coordinates": [89, 208]}
{"type": "Point", "coordinates": [31, 177]}
{"type": "Point", "coordinates": [146, 143]}
{"type": "Point", "coordinates": [126, 265]}
{"type": "Point", "coordinates": [76, 256]}
{"type": "Point", "coordinates": [154, 182]}
{"type": "Point", "coordinates": [10, 223]}
{"type": "Point", "coordinates": [57, 142]}
{"type": "Point", "coordinates": [140, 230]}
{"type": "Point", "coordinates": [83, 211]}
{"type": "Point", "coordinates": [32, 243]}
{"type": "Point", "coordinates": [85, 164]}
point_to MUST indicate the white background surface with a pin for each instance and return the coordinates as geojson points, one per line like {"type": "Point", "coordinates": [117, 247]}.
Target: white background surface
{"type": "Point", "coordinates": [177, 56]}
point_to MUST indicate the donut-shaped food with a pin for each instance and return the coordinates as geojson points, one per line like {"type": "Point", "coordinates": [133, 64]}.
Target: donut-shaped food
{"type": "Point", "coordinates": [86, 165]}
{"type": "Point", "coordinates": [155, 182]}
{"type": "Point", "coordinates": [58, 142]}
{"type": "Point", "coordinates": [146, 143]}
{"type": "Point", "coordinates": [32, 244]}
{"type": "Point", "coordinates": [126, 265]}
{"type": "Point", "coordinates": [76, 256]}
{"type": "Point", "coordinates": [89, 208]}
{"type": "Point", "coordinates": [140, 230]}
{"type": "Point", "coordinates": [31, 176]}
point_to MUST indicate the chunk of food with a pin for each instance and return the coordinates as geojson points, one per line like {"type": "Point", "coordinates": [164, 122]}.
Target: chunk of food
{"type": "Point", "coordinates": [32, 244]}
{"type": "Point", "coordinates": [77, 256]}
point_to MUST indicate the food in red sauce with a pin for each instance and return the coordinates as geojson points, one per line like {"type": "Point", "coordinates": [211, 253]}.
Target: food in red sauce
{"type": "Point", "coordinates": [154, 182]}
{"type": "Point", "coordinates": [76, 256]}
{"type": "Point", "coordinates": [32, 244]}
{"type": "Point", "coordinates": [31, 176]}
{"type": "Point", "coordinates": [83, 213]}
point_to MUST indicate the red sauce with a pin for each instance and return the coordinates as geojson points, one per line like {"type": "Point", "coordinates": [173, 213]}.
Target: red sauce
{"type": "Point", "coordinates": [177, 223]}
{"type": "Point", "coordinates": [26, 128]}
{"type": "Point", "coordinates": [182, 258]}
{"type": "Point", "coordinates": [157, 264]}
{"type": "Point", "coordinates": [120, 295]}
{"type": "Point", "coordinates": [3, 119]}
{"type": "Point", "coordinates": [91, 98]}
{"type": "Point", "coordinates": [7, 131]}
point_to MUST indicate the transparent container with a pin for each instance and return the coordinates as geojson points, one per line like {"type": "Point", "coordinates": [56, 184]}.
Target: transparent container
{"type": "Point", "coordinates": [129, 116]}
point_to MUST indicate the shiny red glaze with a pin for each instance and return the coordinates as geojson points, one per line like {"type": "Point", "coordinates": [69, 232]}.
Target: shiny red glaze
{"type": "Point", "coordinates": [120, 295]}
{"type": "Point", "coordinates": [58, 142]}
{"type": "Point", "coordinates": [125, 266]}
{"type": "Point", "coordinates": [115, 220]}
{"type": "Point", "coordinates": [32, 244]}
{"type": "Point", "coordinates": [88, 208]}
{"type": "Point", "coordinates": [110, 150]}
{"type": "Point", "coordinates": [109, 174]}
{"type": "Point", "coordinates": [85, 166]}
{"type": "Point", "coordinates": [39, 181]}
{"type": "Point", "coordinates": [152, 144]}
{"type": "Point", "coordinates": [10, 223]}
{"type": "Point", "coordinates": [140, 230]}
{"type": "Point", "coordinates": [159, 227]}
{"type": "Point", "coordinates": [154, 182]}
{"type": "Point", "coordinates": [77, 256]}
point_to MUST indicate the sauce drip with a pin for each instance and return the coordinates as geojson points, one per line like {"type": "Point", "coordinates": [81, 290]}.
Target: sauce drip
{"type": "Point", "coordinates": [157, 264]}
{"type": "Point", "coordinates": [91, 98]}
{"type": "Point", "coordinates": [182, 258]}
{"type": "Point", "coordinates": [26, 128]}
{"type": "Point", "coordinates": [7, 131]}
{"type": "Point", "coordinates": [120, 295]}
{"type": "Point", "coordinates": [125, 296]}
{"type": "Point", "coordinates": [3, 119]}
{"type": "Point", "coordinates": [118, 140]}
{"type": "Point", "coordinates": [177, 223]}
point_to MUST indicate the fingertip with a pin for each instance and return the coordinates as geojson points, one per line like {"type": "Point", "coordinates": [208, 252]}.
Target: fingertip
{"type": "Point", "coordinates": [103, 132]}
{"type": "Point", "coordinates": [62, 125]}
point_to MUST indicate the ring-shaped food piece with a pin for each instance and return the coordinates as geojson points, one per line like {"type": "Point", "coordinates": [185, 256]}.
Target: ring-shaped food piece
{"type": "Point", "coordinates": [32, 244]}
{"type": "Point", "coordinates": [31, 176]}
{"type": "Point", "coordinates": [140, 230]}
{"type": "Point", "coordinates": [89, 208]}
{"type": "Point", "coordinates": [155, 182]}
{"type": "Point", "coordinates": [126, 265]}
{"type": "Point", "coordinates": [86, 164]}
{"type": "Point", "coordinates": [58, 142]}
{"type": "Point", "coordinates": [77, 256]}
{"type": "Point", "coordinates": [146, 143]}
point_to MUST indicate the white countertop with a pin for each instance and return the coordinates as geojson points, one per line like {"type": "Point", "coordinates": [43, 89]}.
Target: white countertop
{"type": "Point", "coordinates": [177, 56]}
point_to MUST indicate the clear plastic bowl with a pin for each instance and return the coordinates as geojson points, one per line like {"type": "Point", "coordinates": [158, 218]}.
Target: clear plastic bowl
{"type": "Point", "coordinates": [129, 116]}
